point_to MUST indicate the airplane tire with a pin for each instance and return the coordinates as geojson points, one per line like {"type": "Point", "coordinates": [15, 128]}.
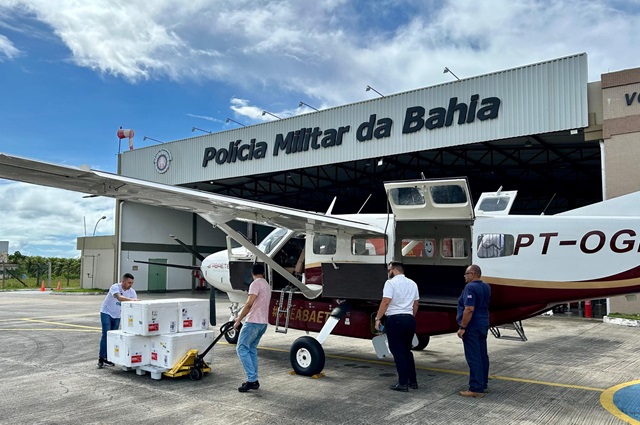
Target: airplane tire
{"type": "Point", "coordinates": [307, 356]}
{"type": "Point", "coordinates": [423, 341]}
{"type": "Point", "coordinates": [232, 335]}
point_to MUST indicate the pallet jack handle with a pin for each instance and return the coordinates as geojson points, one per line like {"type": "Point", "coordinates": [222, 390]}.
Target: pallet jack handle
{"type": "Point", "coordinates": [223, 331]}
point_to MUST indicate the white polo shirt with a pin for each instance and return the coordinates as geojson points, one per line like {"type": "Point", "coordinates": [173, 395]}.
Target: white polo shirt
{"type": "Point", "coordinates": [403, 292]}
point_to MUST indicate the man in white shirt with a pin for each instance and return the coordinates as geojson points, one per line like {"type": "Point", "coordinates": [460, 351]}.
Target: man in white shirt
{"type": "Point", "coordinates": [400, 304]}
{"type": "Point", "coordinates": [110, 312]}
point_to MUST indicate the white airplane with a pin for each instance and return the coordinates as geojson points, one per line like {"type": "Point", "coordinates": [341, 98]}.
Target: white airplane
{"type": "Point", "coordinates": [327, 271]}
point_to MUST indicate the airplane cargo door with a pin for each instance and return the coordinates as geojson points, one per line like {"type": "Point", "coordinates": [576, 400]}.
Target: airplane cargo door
{"type": "Point", "coordinates": [157, 275]}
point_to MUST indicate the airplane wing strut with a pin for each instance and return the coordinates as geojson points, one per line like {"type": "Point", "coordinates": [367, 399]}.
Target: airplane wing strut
{"type": "Point", "coordinates": [309, 291]}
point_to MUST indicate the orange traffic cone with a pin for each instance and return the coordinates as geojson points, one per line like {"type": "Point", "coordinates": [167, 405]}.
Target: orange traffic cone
{"type": "Point", "coordinates": [42, 288]}
{"type": "Point", "coordinates": [58, 288]}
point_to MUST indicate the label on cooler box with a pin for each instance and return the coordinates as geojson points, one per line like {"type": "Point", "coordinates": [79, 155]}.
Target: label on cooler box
{"type": "Point", "coordinates": [154, 327]}
{"type": "Point", "coordinates": [130, 321]}
{"type": "Point", "coordinates": [116, 351]}
{"type": "Point", "coordinates": [187, 323]}
{"type": "Point", "coordinates": [136, 358]}
{"type": "Point", "coordinates": [154, 356]}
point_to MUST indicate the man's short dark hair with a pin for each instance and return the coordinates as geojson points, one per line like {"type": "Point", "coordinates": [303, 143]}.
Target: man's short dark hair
{"type": "Point", "coordinates": [128, 276]}
{"type": "Point", "coordinates": [397, 265]}
{"type": "Point", "coordinates": [257, 269]}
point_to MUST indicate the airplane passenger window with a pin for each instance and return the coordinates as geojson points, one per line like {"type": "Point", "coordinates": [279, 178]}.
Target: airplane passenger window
{"type": "Point", "coordinates": [493, 245]}
{"type": "Point", "coordinates": [418, 248]}
{"type": "Point", "coordinates": [448, 194]}
{"type": "Point", "coordinates": [407, 196]}
{"type": "Point", "coordinates": [324, 244]}
{"type": "Point", "coordinates": [367, 245]}
{"type": "Point", "coordinates": [454, 248]}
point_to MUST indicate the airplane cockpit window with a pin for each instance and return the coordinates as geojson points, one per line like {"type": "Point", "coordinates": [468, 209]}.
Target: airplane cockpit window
{"type": "Point", "coordinates": [448, 194]}
{"type": "Point", "coordinates": [324, 244]}
{"type": "Point", "coordinates": [492, 245]}
{"type": "Point", "coordinates": [367, 245]}
{"type": "Point", "coordinates": [408, 196]}
{"type": "Point", "coordinates": [498, 203]}
{"type": "Point", "coordinates": [454, 248]}
{"type": "Point", "coordinates": [271, 240]}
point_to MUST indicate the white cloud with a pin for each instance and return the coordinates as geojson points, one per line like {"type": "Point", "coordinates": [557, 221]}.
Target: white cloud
{"type": "Point", "coordinates": [43, 221]}
{"type": "Point", "coordinates": [330, 50]}
{"type": "Point", "coordinates": [7, 48]}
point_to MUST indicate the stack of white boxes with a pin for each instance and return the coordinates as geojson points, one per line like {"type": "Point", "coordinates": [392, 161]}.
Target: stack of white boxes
{"type": "Point", "coordinates": [160, 332]}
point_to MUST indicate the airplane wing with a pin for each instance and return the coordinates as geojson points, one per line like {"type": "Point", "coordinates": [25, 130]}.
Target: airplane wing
{"type": "Point", "coordinates": [214, 208]}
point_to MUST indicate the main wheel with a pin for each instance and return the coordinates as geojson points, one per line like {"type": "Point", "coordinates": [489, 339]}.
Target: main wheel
{"type": "Point", "coordinates": [232, 335]}
{"type": "Point", "coordinates": [423, 341]}
{"type": "Point", "coordinates": [307, 356]}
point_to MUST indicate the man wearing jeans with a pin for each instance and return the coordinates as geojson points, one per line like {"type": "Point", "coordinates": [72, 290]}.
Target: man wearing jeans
{"type": "Point", "coordinates": [256, 310]}
{"type": "Point", "coordinates": [110, 312]}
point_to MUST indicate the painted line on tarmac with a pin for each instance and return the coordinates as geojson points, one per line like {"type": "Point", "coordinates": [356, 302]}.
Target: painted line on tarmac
{"type": "Point", "coordinates": [64, 316]}
{"type": "Point", "coordinates": [455, 372]}
{"type": "Point", "coordinates": [62, 324]}
{"type": "Point", "coordinates": [627, 399]}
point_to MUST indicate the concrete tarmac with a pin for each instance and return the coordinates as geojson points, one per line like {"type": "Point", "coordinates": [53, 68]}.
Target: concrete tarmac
{"type": "Point", "coordinates": [49, 375]}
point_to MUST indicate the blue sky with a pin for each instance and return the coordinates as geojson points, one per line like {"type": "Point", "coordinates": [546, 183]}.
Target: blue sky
{"type": "Point", "coordinates": [72, 73]}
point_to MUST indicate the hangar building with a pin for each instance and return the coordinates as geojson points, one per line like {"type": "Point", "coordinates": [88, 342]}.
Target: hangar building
{"type": "Point", "coordinates": [541, 129]}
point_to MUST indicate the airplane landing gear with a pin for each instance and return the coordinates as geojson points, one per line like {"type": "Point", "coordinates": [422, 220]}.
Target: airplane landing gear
{"type": "Point", "coordinates": [307, 356]}
{"type": "Point", "coordinates": [423, 341]}
{"type": "Point", "coordinates": [232, 335]}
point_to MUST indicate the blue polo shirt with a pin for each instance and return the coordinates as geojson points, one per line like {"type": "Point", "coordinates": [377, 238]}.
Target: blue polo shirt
{"type": "Point", "coordinates": [475, 294]}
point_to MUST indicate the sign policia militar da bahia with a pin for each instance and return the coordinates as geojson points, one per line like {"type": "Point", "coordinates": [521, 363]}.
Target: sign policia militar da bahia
{"type": "Point", "coordinates": [416, 119]}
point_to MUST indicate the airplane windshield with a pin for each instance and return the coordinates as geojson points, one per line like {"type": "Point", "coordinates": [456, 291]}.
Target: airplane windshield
{"type": "Point", "coordinates": [271, 240]}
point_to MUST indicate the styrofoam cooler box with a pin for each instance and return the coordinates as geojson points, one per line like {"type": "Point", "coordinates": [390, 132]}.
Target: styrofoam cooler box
{"type": "Point", "coordinates": [194, 315]}
{"type": "Point", "coordinates": [127, 349]}
{"type": "Point", "coordinates": [167, 350]}
{"type": "Point", "coordinates": [153, 317]}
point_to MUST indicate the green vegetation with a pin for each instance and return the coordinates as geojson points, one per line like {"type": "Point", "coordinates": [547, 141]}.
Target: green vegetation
{"type": "Point", "coordinates": [32, 271]}
{"type": "Point", "coordinates": [625, 316]}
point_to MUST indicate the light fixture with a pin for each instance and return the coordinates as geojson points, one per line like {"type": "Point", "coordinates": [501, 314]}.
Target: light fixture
{"type": "Point", "coordinates": [151, 138]}
{"type": "Point", "coordinates": [371, 88]}
{"type": "Point", "coordinates": [267, 112]}
{"type": "Point", "coordinates": [96, 226]}
{"type": "Point", "coordinates": [380, 162]}
{"type": "Point", "coordinates": [199, 129]}
{"type": "Point", "coordinates": [307, 105]}
{"type": "Point", "coordinates": [450, 72]}
{"type": "Point", "coordinates": [239, 123]}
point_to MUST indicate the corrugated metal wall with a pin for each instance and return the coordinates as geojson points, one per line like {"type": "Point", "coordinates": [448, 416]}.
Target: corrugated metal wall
{"type": "Point", "coordinates": [534, 99]}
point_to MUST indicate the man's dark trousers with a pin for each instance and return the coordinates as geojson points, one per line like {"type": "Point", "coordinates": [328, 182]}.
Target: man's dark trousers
{"type": "Point", "coordinates": [400, 331]}
{"type": "Point", "coordinates": [475, 351]}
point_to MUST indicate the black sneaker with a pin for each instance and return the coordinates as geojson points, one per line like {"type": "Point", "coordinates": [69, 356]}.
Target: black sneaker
{"type": "Point", "coordinates": [246, 386]}
{"type": "Point", "coordinates": [413, 385]}
{"type": "Point", "coordinates": [100, 362]}
{"type": "Point", "coordinates": [108, 363]}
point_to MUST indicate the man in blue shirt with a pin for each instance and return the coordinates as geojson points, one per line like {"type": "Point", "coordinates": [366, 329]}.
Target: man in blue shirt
{"type": "Point", "coordinates": [473, 318]}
